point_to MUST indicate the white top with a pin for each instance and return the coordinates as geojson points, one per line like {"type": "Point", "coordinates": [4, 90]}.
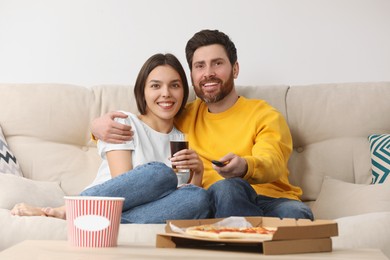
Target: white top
{"type": "Point", "coordinates": [147, 145]}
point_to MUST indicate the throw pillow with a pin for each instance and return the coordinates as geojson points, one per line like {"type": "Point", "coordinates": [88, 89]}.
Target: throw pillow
{"type": "Point", "coordinates": [380, 157]}
{"type": "Point", "coordinates": [341, 199]}
{"type": "Point", "coordinates": [14, 189]}
{"type": "Point", "coordinates": [8, 162]}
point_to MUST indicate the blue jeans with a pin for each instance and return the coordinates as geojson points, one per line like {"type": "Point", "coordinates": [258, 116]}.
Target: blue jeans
{"type": "Point", "coordinates": [235, 197]}
{"type": "Point", "coordinates": [151, 195]}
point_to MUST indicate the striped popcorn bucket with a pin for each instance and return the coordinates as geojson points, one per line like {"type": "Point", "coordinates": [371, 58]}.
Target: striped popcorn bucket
{"type": "Point", "coordinates": [93, 221]}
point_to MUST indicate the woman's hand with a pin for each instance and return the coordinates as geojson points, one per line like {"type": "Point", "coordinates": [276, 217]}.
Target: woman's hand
{"type": "Point", "coordinates": [189, 159]}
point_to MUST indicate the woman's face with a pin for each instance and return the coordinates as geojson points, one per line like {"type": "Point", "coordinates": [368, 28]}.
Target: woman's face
{"type": "Point", "coordinates": [163, 92]}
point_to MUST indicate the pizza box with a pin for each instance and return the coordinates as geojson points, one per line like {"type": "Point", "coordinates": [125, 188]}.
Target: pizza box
{"type": "Point", "coordinates": [292, 236]}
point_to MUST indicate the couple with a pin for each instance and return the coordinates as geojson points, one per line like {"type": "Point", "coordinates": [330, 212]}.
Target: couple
{"type": "Point", "coordinates": [250, 137]}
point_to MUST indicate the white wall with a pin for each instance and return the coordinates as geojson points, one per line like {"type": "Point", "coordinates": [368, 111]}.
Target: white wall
{"type": "Point", "coordinates": [92, 42]}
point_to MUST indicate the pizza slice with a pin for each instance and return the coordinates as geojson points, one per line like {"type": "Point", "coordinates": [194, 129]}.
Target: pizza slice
{"type": "Point", "coordinates": [207, 231]}
{"type": "Point", "coordinates": [250, 232]}
{"type": "Point", "coordinates": [211, 231]}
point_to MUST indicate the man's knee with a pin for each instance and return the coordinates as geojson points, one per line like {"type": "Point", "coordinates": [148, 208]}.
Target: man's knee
{"type": "Point", "coordinates": [228, 185]}
{"type": "Point", "coordinates": [233, 188]}
{"type": "Point", "coordinates": [294, 209]}
{"type": "Point", "coordinates": [304, 212]}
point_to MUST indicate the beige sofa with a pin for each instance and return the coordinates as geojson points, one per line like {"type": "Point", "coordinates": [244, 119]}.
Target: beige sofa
{"type": "Point", "coordinates": [47, 127]}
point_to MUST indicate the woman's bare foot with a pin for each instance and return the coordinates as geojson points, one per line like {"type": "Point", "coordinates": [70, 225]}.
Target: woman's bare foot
{"type": "Point", "coordinates": [59, 212]}
{"type": "Point", "coordinates": [23, 209]}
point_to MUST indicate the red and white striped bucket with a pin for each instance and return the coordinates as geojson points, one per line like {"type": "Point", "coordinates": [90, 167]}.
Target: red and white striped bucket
{"type": "Point", "coordinates": [93, 221]}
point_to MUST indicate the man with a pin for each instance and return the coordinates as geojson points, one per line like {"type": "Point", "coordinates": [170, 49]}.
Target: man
{"type": "Point", "coordinates": [249, 137]}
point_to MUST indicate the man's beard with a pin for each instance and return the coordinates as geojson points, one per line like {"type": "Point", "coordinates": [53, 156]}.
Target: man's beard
{"type": "Point", "coordinates": [226, 88]}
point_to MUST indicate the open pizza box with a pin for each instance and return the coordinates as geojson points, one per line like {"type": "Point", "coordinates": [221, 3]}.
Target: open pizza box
{"type": "Point", "coordinates": [291, 236]}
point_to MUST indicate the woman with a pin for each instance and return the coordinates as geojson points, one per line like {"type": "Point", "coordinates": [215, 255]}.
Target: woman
{"type": "Point", "coordinates": [139, 170]}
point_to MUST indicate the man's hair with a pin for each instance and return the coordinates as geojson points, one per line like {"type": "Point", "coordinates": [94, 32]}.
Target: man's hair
{"type": "Point", "coordinates": [153, 62]}
{"type": "Point", "coordinates": [209, 37]}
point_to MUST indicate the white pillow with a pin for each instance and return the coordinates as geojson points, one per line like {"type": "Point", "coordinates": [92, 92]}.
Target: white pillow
{"type": "Point", "coordinates": [340, 199]}
{"type": "Point", "coordinates": [14, 189]}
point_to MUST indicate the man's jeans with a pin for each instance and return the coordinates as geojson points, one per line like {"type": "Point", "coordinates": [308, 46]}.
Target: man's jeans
{"type": "Point", "coordinates": [235, 197]}
{"type": "Point", "coordinates": [151, 195]}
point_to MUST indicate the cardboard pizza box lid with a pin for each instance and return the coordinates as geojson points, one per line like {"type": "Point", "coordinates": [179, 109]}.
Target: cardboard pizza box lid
{"type": "Point", "coordinates": [287, 228]}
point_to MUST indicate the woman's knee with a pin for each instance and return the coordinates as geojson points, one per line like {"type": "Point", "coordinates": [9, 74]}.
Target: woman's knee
{"type": "Point", "coordinates": [202, 196]}
{"type": "Point", "coordinates": [202, 203]}
{"type": "Point", "coordinates": [158, 172]}
{"type": "Point", "coordinates": [199, 198]}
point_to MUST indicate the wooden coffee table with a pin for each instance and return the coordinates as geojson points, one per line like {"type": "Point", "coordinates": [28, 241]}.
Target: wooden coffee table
{"type": "Point", "coordinates": [60, 249]}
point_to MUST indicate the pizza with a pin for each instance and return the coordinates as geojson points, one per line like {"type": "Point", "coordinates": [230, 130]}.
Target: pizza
{"type": "Point", "coordinates": [222, 232]}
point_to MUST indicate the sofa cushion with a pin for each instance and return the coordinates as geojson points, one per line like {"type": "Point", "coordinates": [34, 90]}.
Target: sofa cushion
{"type": "Point", "coordinates": [15, 229]}
{"type": "Point", "coordinates": [380, 157]}
{"type": "Point", "coordinates": [357, 232]}
{"type": "Point", "coordinates": [340, 199]}
{"type": "Point", "coordinates": [8, 162]}
{"type": "Point", "coordinates": [15, 189]}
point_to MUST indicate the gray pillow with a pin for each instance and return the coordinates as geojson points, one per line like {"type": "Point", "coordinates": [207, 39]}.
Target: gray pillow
{"type": "Point", "coordinates": [8, 162]}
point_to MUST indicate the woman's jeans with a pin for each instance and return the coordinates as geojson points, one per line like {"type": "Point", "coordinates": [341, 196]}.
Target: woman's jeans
{"type": "Point", "coordinates": [235, 197]}
{"type": "Point", "coordinates": [151, 195]}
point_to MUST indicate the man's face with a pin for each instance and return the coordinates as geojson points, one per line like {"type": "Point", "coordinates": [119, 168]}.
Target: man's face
{"type": "Point", "coordinates": [212, 74]}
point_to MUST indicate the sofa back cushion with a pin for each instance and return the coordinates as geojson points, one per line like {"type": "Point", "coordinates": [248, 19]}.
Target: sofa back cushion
{"type": "Point", "coordinates": [47, 126]}
{"type": "Point", "coordinates": [330, 125]}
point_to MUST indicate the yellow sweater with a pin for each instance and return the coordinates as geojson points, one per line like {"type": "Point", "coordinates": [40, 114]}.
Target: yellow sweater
{"type": "Point", "coordinates": [251, 129]}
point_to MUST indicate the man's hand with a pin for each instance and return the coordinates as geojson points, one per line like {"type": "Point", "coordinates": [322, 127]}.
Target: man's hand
{"type": "Point", "coordinates": [235, 166]}
{"type": "Point", "coordinates": [106, 129]}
